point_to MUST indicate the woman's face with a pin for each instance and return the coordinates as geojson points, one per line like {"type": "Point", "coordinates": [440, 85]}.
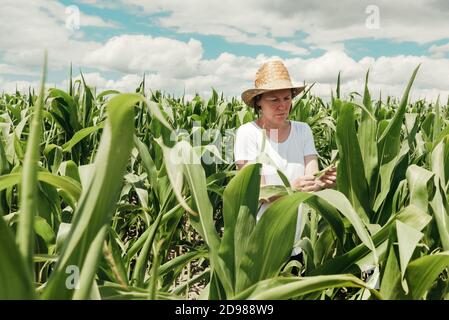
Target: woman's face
{"type": "Point", "coordinates": [275, 105]}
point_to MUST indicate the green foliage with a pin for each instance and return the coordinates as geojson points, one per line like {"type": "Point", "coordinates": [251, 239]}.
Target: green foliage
{"type": "Point", "coordinates": [88, 181]}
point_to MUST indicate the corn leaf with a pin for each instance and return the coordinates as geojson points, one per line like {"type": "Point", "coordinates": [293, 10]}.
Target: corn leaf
{"type": "Point", "coordinates": [422, 273]}
{"type": "Point", "coordinates": [97, 202]}
{"type": "Point", "coordinates": [351, 179]}
{"type": "Point", "coordinates": [291, 287]}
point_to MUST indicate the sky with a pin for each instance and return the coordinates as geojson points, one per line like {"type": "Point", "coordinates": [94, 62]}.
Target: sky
{"type": "Point", "coordinates": [184, 47]}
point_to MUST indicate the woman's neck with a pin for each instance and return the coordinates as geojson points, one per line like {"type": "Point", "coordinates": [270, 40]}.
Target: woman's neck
{"type": "Point", "coordinates": [264, 124]}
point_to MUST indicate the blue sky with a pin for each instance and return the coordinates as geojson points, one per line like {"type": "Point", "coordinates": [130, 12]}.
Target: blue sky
{"type": "Point", "coordinates": [214, 45]}
{"type": "Point", "coordinates": [191, 46]}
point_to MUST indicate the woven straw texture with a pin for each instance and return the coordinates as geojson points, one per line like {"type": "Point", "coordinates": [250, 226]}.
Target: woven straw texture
{"type": "Point", "coordinates": [272, 75]}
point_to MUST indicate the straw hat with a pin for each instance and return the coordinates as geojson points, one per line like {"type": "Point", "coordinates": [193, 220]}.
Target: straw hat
{"type": "Point", "coordinates": [272, 75]}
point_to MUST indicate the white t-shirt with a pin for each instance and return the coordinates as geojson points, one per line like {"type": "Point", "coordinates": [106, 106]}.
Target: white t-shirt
{"type": "Point", "coordinates": [288, 156]}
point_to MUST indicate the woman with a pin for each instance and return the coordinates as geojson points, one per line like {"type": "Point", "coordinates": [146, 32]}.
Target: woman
{"type": "Point", "coordinates": [290, 143]}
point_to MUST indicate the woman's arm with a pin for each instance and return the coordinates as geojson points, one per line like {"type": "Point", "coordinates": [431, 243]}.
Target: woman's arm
{"type": "Point", "coordinates": [310, 164]}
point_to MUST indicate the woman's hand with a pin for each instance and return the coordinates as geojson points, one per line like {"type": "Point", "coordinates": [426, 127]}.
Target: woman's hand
{"type": "Point", "coordinates": [329, 178]}
{"type": "Point", "coordinates": [308, 183]}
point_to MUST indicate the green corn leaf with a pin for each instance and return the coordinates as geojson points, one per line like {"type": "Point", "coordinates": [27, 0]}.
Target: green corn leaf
{"type": "Point", "coordinates": [106, 93]}
{"type": "Point", "coordinates": [80, 135]}
{"type": "Point", "coordinates": [439, 161]}
{"type": "Point", "coordinates": [139, 269]}
{"type": "Point", "coordinates": [437, 121]}
{"type": "Point", "coordinates": [271, 242]}
{"type": "Point", "coordinates": [97, 202]}
{"type": "Point", "coordinates": [390, 286]}
{"type": "Point", "coordinates": [440, 210]}
{"type": "Point", "coordinates": [69, 185]}
{"type": "Point", "coordinates": [351, 174]}
{"type": "Point", "coordinates": [386, 174]}
{"type": "Point", "coordinates": [290, 287]}
{"type": "Point", "coordinates": [367, 137]}
{"type": "Point", "coordinates": [422, 273]}
{"type": "Point", "coordinates": [417, 179]}
{"type": "Point", "coordinates": [408, 238]}
{"type": "Point", "coordinates": [28, 192]}
{"type": "Point", "coordinates": [241, 193]}
{"type": "Point", "coordinates": [389, 142]}
{"type": "Point", "coordinates": [181, 161]}
{"type": "Point", "coordinates": [342, 204]}
{"type": "Point", "coordinates": [410, 215]}
{"type": "Point", "coordinates": [15, 279]}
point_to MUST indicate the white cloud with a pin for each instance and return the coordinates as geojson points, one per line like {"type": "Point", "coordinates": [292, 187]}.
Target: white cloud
{"type": "Point", "coordinates": [61, 13]}
{"type": "Point", "coordinates": [127, 83]}
{"type": "Point", "coordinates": [20, 85]}
{"type": "Point", "coordinates": [327, 23]}
{"type": "Point", "coordinates": [179, 67]}
{"type": "Point", "coordinates": [30, 27]}
{"type": "Point", "coordinates": [103, 4]}
{"type": "Point", "coordinates": [232, 74]}
{"type": "Point", "coordinates": [324, 68]}
{"type": "Point", "coordinates": [174, 66]}
{"type": "Point", "coordinates": [388, 75]}
{"type": "Point", "coordinates": [238, 22]}
{"type": "Point", "coordinates": [439, 51]}
{"type": "Point", "coordinates": [13, 70]}
{"type": "Point", "coordinates": [139, 53]}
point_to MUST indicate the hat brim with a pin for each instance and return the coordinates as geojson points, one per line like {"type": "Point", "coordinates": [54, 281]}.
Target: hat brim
{"type": "Point", "coordinates": [249, 95]}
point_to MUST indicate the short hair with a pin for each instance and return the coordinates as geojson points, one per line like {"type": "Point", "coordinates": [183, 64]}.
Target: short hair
{"type": "Point", "coordinates": [256, 106]}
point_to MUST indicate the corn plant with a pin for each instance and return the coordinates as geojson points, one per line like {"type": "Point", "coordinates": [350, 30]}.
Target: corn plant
{"type": "Point", "coordinates": [94, 207]}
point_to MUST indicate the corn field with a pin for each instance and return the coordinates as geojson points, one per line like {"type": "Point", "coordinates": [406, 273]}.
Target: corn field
{"type": "Point", "coordinates": [94, 207]}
